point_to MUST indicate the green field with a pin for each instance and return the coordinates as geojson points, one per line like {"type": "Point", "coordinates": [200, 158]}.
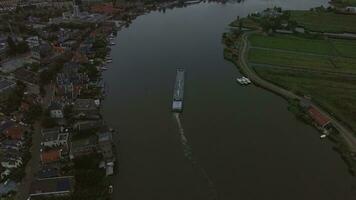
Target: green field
{"type": "Point", "coordinates": [325, 21]}
{"type": "Point", "coordinates": [345, 2]}
{"type": "Point", "coordinates": [322, 69]}
{"type": "Point", "coordinates": [293, 43]}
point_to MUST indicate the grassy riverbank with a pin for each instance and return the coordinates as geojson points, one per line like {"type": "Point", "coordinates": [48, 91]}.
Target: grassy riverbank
{"type": "Point", "coordinates": [322, 69]}
{"type": "Point", "coordinates": [310, 65]}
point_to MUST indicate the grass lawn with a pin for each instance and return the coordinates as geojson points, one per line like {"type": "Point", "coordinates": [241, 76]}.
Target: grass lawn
{"type": "Point", "coordinates": [345, 2]}
{"type": "Point", "coordinates": [345, 48]}
{"type": "Point", "coordinates": [334, 91]}
{"type": "Point", "coordinates": [336, 94]}
{"type": "Point", "coordinates": [288, 59]}
{"type": "Point", "coordinates": [293, 43]}
{"type": "Point", "coordinates": [325, 21]}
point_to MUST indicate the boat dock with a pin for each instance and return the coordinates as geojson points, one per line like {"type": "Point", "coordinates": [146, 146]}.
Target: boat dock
{"type": "Point", "coordinates": [178, 95]}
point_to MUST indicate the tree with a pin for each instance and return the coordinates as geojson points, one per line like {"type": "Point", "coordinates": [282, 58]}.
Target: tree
{"type": "Point", "coordinates": [12, 46]}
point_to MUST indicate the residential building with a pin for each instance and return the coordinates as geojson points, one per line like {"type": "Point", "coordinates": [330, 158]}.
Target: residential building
{"type": "Point", "coordinates": [85, 106]}
{"type": "Point", "coordinates": [56, 110]}
{"type": "Point", "coordinates": [87, 125]}
{"type": "Point", "coordinates": [85, 146]}
{"type": "Point", "coordinates": [6, 86]}
{"type": "Point", "coordinates": [51, 187]}
{"type": "Point", "coordinates": [105, 140]}
{"type": "Point", "coordinates": [321, 120]}
{"type": "Point", "coordinates": [49, 156]}
{"type": "Point", "coordinates": [7, 144]}
{"type": "Point", "coordinates": [11, 162]}
{"type": "Point", "coordinates": [55, 137]}
{"type": "Point", "coordinates": [14, 133]}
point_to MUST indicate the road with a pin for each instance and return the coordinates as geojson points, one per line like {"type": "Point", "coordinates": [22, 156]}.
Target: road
{"type": "Point", "coordinates": [345, 132]}
{"type": "Point", "coordinates": [33, 164]}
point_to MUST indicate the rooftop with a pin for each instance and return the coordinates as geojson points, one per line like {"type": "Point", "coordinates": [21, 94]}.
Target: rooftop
{"type": "Point", "coordinates": [48, 186]}
{"type": "Point", "coordinates": [319, 118]}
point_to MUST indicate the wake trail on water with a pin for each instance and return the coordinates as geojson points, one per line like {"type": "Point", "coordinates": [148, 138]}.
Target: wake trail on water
{"type": "Point", "coordinates": [189, 155]}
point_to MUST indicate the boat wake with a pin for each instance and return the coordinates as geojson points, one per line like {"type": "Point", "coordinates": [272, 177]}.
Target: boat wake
{"type": "Point", "coordinates": [188, 154]}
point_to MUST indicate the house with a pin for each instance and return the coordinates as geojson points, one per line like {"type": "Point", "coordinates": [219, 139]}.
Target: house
{"type": "Point", "coordinates": [350, 9]}
{"type": "Point", "coordinates": [51, 187]}
{"type": "Point", "coordinates": [48, 171]}
{"type": "Point", "coordinates": [56, 110]}
{"type": "Point", "coordinates": [11, 144]}
{"type": "Point", "coordinates": [55, 137]}
{"type": "Point", "coordinates": [69, 45]}
{"type": "Point", "coordinates": [85, 106]}
{"type": "Point", "coordinates": [87, 125]}
{"type": "Point", "coordinates": [105, 140]}
{"type": "Point", "coordinates": [49, 156]}
{"type": "Point", "coordinates": [14, 133]}
{"type": "Point", "coordinates": [33, 41]}
{"type": "Point", "coordinates": [6, 86]}
{"type": "Point", "coordinates": [7, 187]}
{"type": "Point", "coordinates": [321, 120]}
{"type": "Point", "coordinates": [71, 81]}
{"type": "Point", "coordinates": [5, 124]}
{"type": "Point", "coordinates": [11, 162]}
{"type": "Point", "coordinates": [81, 147]}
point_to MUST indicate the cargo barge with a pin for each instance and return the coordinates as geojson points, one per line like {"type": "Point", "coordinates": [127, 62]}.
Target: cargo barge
{"type": "Point", "coordinates": [178, 96]}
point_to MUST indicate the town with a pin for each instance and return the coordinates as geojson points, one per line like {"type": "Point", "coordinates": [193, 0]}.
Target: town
{"type": "Point", "coordinates": [53, 137]}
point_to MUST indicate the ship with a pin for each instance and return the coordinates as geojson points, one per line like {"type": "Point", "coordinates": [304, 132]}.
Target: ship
{"type": "Point", "coordinates": [178, 95]}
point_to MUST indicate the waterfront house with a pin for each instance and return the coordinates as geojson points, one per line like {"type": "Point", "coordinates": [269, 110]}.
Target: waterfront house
{"type": "Point", "coordinates": [87, 125]}
{"type": "Point", "coordinates": [86, 106]}
{"type": "Point", "coordinates": [85, 146]}
{"type": "Point", "coordinates": [319, 119]}
{"type": "Point", "coordinates": [55, 137]}
{"type": "Point", "coordinates": [105, 140]}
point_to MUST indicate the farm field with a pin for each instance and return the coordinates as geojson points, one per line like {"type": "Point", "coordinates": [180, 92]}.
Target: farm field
{"type": "Point", "coordinates": [325, 70]}
{"type": "Point", "coordinates": [325, 21]}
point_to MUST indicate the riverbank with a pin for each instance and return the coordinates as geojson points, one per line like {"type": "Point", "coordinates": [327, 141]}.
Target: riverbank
{"type": "Point", "coordinates": [293, 67]}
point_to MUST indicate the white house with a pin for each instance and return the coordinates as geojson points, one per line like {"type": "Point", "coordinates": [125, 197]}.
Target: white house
{"type": "Point", "coordinates": [11, 162]}
{"type": "Point", "coordinates": [55, 137]}
{"type": "Point", "coordinates": [56, 110]}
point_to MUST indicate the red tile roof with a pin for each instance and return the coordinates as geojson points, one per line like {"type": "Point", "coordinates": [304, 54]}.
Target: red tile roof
{"type": "Point", "coordinates": [106, 8]}
{"type": "Point", "coordinates": [15, 133]}
{"type": "Point", "coordinates": [319, 118]}
{"type": "Point", "coordinates": [51, 156]}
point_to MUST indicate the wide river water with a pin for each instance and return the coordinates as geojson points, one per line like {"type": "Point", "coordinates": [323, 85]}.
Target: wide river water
{"type": "Point", "coordinates": [243, 143]}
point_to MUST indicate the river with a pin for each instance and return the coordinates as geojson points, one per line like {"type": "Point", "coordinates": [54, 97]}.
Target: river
{"type": "Point", "coordinates": [242, 142]}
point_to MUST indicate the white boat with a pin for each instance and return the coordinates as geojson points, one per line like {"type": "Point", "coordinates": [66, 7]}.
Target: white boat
{"type": "Point", "coordinates": [323, 136]}
{"type": "Point", "coordinates": [112, 43]}
{"type": "Point", "coordinates": [108, 61]}
{"type": "Point", "coordinates": [243, 80]}
{"type": "Point", "coordinates": [104, 68]}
